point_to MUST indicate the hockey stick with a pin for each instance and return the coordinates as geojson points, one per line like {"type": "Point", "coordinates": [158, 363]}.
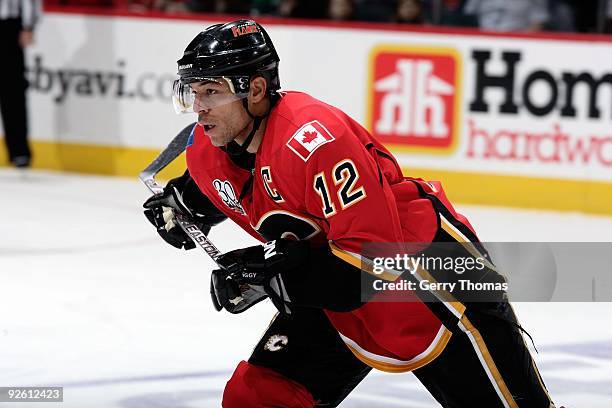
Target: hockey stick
{"type": "Point", "coordinates": [167, 156]}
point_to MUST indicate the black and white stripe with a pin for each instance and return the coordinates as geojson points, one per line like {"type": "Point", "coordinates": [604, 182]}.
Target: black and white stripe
{"type": "Point", "coordinates": [28, 11]}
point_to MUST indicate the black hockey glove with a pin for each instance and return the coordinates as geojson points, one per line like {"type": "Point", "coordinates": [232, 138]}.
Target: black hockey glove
{"type": "Point", "coordinates": [248, 275]}
{"type": "Point", "coordinates": [183, 195]}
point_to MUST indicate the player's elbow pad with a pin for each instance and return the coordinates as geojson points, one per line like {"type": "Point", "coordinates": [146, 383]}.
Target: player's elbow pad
{"type": "Point", "coordinates": [200, 205]}
{"type": "Point", "coordinates": [325, 282]}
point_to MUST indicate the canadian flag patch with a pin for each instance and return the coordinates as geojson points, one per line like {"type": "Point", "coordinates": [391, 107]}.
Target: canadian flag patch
{"type": "Point", "coordinates": [309, 138]}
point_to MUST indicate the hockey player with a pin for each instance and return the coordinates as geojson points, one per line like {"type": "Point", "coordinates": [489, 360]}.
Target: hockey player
{"type": "Point", "coordinates": [315, 187]}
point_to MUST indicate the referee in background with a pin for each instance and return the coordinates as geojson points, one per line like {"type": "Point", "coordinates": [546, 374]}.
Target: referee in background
{"type": "Point", "coordinates": [17, 21]}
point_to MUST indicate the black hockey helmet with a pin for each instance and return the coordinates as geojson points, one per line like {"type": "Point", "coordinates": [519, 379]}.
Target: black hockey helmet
{"type": "Point", "coordinates": [234, 51]}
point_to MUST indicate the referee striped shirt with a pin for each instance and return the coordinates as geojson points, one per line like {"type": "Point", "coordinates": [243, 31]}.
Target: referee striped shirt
{"type": "Point", "coordinates": [28, 11]}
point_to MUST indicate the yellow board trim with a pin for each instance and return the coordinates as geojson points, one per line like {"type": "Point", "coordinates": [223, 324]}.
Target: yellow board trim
{"type": "Point", "coordinates": [96, 159]}
{"type": "Point", "coordinates": [586, 196]}
{"type": "Point", "coordinates": [461, 187]}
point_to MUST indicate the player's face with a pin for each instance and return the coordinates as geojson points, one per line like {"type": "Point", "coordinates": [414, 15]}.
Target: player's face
{"type": "Point", "coordinates": [219, 111]}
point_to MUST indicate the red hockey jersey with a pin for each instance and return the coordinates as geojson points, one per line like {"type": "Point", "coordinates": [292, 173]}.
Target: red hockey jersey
{"type": "Point", "coordinates": [321, 176]}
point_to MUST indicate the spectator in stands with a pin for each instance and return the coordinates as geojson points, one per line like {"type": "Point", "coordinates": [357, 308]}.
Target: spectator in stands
{"type": "Point", "coordinates": [287, 8]}
{"type": "Point", "coordinates": [562, 15]}
{"type": "Point", "coordinates": [170, 6]}
{"type": "Point", "coordinates": [608, 25]}
{"type": "Point", "coordinates": [587, 13]}
{"type": "Point", "coordinates": [451, 13]}
{"type": "Point", "coordinates": [409, 12]}
{"type": "Point", "coordinates": [263, 7]}
{"type": "Point", "coordinates": [341, 10]}
{"type": "Point", "coordinates": [375, 10]}
{"type": "Point", "coordinates": [195, 6]}
{"type": "Point", "coordinates": [200, 6]}
{"type": "Point", "coordinates": [81, 3]}
{"type": "Point", "coordinates": [303, 9]}
{"type": "Point", "coordinates": [509, 15]}
{"type": "Point", "coordinates": [233, 6]}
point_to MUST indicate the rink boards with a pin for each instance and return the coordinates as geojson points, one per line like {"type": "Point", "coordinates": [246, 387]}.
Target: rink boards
{"type": "Point", "coordinates": [527, 116]}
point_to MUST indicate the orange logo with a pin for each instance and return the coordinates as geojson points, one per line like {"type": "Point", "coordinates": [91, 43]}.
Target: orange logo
{"type": "Point", "coordinates": [244, 29]}
{"type": "Point", "coordinates": [415, 97]}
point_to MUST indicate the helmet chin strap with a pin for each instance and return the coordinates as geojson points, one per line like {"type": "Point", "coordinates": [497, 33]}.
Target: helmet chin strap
{"type": "Point", "coordinates": [235, 149]}
{"type": "Point", "coordinates": [239, 152]}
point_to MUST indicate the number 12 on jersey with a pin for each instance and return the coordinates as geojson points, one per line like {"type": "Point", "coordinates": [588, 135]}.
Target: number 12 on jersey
{"type": "Point", "coordinates": [345, 176]}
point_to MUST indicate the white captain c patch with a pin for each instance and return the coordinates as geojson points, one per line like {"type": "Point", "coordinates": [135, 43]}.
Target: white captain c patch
{"type": "Point", "coordinates": [309, 138]}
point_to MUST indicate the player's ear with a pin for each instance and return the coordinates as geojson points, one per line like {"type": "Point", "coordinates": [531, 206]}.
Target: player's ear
{"type": "Point", "coordinates": [257, 89]}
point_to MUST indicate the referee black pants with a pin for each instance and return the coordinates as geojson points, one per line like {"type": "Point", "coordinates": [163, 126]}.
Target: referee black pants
{"type": "Point", "coordinates": [13, 85]}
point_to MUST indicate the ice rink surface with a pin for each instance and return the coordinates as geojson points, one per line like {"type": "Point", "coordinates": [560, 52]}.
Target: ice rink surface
{"type": "Point", "coordinates": [92, 300]}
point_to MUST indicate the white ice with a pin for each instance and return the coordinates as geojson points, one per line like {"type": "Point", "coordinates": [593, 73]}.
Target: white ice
{"type": "Point", "coordinates": [92, 300]}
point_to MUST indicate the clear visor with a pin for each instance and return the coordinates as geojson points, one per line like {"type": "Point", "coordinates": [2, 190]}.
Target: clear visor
{"type": "Point", "coordinates": [205, 94]}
